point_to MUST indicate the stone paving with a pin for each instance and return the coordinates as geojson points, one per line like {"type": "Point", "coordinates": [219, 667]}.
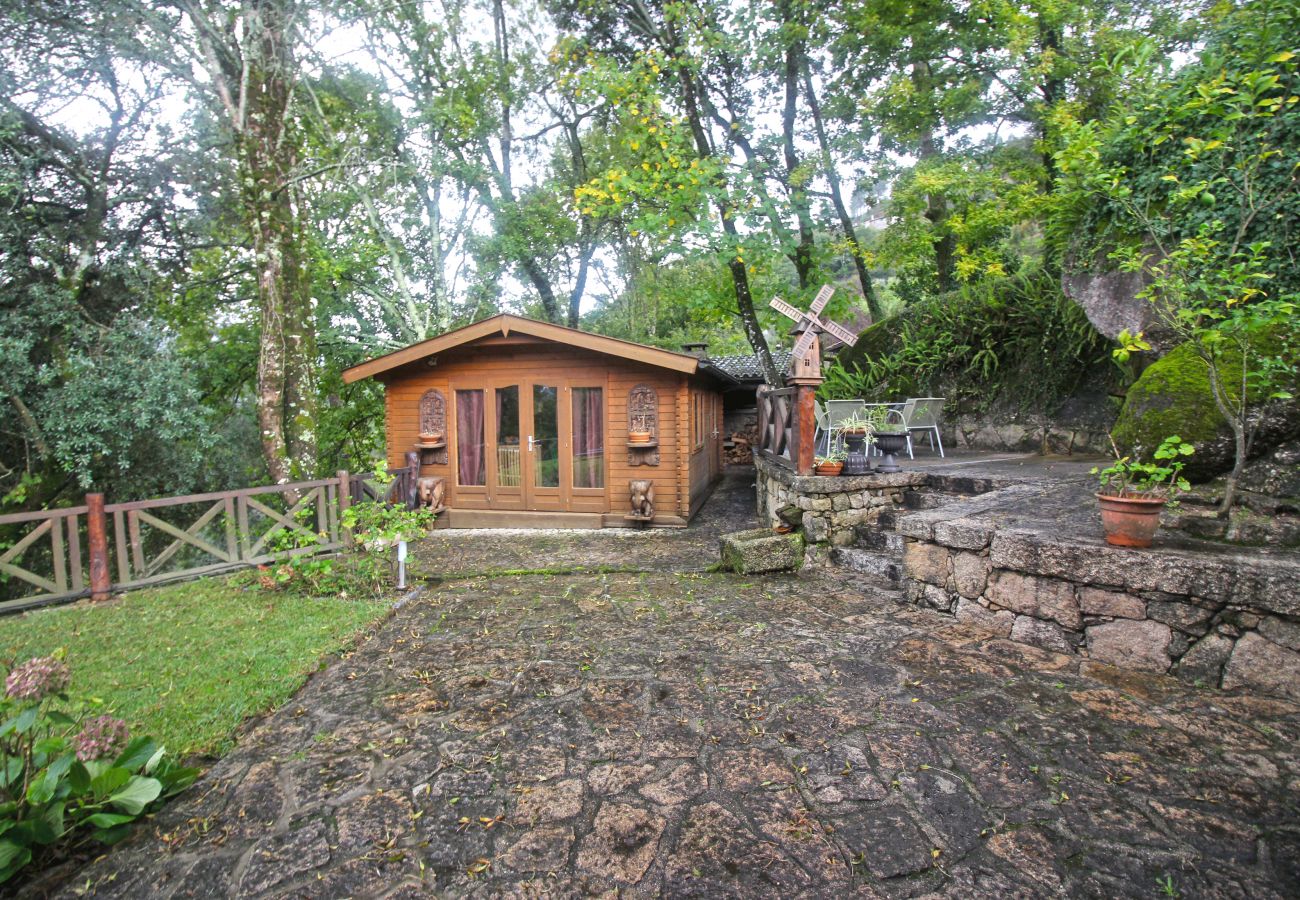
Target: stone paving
{"type": "Point", "coordinates": [684, 733]}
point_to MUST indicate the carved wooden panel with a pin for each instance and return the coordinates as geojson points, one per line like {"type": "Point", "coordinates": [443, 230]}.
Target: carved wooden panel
{"type": "Point", "coordinates": [643, 415]}
{"type": "Point", "coordinates": [433, 420]}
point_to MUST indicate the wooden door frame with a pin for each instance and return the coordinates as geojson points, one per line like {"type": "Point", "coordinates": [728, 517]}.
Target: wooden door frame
{"type": "Point", "coordinates": [560, 500]}
{"type": "Point", "coordinates": [512, 498]}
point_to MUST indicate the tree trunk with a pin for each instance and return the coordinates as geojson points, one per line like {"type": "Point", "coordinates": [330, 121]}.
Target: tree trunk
{"type": "Point", "coordinates": [286, 366]}
{"type": "Point", "coordinates": [837, 199]}
{"type": "Point", "coordinates": [739, 275]}
{"type": "Point", "coordinates": [796, 184]}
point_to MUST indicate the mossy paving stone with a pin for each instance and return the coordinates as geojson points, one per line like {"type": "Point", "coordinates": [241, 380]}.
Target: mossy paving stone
{"type": "Point", "coordinates": [716, 735]}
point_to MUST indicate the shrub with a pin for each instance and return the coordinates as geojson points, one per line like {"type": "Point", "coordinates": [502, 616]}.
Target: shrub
{"type": "Point", "coordinates": [1016, 336]}
{"type": "Point", "coordinates": [65, 781]}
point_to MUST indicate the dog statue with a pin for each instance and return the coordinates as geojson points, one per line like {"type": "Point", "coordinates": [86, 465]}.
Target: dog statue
{"type": "Point", "coordinates": [430, 490]}
{"type": "Point", "coordinates": [643, 498]}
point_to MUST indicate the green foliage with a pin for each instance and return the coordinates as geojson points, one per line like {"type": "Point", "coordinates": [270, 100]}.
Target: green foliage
{"type": "Point", "coordinates": [1159, 478]}
{"type": "Point", "coordinates": [1200, 186]}
{"type": "Point", "coordinates": [1171, 163]}
{"type": "Point", "coordinates": [67, 779]}
{"type": "Point", "coordinates": [1016, 337]}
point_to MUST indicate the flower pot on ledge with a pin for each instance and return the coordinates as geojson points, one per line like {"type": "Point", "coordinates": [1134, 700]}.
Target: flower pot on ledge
{"type": "Point", "coordinates": [829, 468]}
{"type": "Point", "coordinates": [1130, 521]}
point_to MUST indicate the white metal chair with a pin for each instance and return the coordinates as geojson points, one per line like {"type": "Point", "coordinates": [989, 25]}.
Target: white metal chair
{"type": "Point", "coordinates": [838, 411]}
{"type": "Point", "coordinates": [822, 432]}
{"type": "Point", "coordinates": [923, 414]}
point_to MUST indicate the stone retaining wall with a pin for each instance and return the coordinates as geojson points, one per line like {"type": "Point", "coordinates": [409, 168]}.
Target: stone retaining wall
{"type": "Point", "coordinates": [1026, 562]}
{"type": "Point", "coordinates": [1214, 618]}
{"type": "Point", "coordinates": [831, 507]}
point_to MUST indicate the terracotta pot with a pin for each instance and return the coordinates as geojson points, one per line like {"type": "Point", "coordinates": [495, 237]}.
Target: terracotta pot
{"type": "Point", "coordinates": [429, 437]}
{"type": "Point", "coordinates": [1130, 521]}
{"type": "Point", "coordinates": [829, 468]}
{"type": "Point", "coordinates": [638, 437]}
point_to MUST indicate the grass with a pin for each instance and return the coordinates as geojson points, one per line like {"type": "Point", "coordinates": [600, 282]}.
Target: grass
{"type": "Point", "coordinates": [187, 663]}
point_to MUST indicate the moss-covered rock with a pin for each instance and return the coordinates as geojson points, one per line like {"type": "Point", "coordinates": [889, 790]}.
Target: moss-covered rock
{"type": "Point", "coordinates": [877, 340]}
{"type": "Point", "coordinates": [1173, 397]}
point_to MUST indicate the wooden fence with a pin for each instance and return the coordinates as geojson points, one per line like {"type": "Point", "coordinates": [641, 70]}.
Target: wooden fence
{"type": "Point", "coordinates": [98, 548]}
{"type": "Point", "coordinates": [786, 423]}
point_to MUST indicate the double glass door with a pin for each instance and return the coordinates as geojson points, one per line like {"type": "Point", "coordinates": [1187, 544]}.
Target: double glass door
{"type": "Point", "coordinates": [529, 444]}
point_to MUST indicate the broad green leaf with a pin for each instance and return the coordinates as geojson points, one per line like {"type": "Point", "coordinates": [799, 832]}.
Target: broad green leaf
{"type": "Point", "coordinates": [136, 754]}
{"type": "Point", "coordinates": [137, 794]}
{"type": "Point", "coordinates": [12, 858]}
{"type": "Point", "coordinates": [109, 820]}
{"type": "Point", "coordinates": [109, 780]}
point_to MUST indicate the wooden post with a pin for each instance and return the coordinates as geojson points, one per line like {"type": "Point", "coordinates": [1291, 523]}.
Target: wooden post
{"type": "Point", "coordinates": [345, 500]}
{"type": "Point", "coordinates": [412, 479]}
{"type": "Point", "coordinates": [805, 424]}
{"type": "Point", "coordinates": [101, 583]}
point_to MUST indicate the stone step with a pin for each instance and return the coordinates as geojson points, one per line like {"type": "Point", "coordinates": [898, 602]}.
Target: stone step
{"type": "Point", "coordinates": [869, 537]}
{"type": "Point", "coordinates": [930, 499]}
{"type": "Point", "coordinates": [884, 566]}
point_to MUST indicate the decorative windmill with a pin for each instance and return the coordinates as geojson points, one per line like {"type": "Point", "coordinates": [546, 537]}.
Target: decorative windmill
{"type": "Point", "coordinates": [805, 358]}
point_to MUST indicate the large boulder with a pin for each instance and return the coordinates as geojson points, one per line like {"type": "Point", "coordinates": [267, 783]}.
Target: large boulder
{"type": "Point", "coordinates": [1173, 397]}
{"type": "Point", "coordinates": [1109, 299]}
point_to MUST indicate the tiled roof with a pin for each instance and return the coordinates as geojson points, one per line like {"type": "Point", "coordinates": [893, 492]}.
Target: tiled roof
{"type": "Point", "coordinates": [746, 368]}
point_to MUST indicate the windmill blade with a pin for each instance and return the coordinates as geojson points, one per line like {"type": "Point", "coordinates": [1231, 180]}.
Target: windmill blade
{"type": "Point", "coordinates": [785, 309]}
{"type": "Point", "coordinates": [801, 346]}
{"type": "Point", "coordinates": [841, 334]}
{"type": "Point", "coordinates": [823, 297]}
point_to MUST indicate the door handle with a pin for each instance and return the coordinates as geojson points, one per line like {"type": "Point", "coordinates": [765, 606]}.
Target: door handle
{"type": "Point", "coordinates": [530, 443]}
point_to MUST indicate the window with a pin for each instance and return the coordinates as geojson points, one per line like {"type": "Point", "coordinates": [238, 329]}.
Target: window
{"type": "Point", "coordinates": [588, 438]}
{"type": "Point", "coordinates": [697, 419]}
{"type": "Point", "coordinates": [469, 438]}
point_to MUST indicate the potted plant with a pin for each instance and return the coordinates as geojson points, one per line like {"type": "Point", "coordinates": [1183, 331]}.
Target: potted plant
{"type": "Point", "coordinates": [889, 437]}
{"type": "Point", "coordinates": [855, 429]}
{"type": "Point", "coordinates": [639, 433]}
{"type": "Point", "coordinates": [832, 464]}
{"type": "Point", "coordinates": [1133, 493]}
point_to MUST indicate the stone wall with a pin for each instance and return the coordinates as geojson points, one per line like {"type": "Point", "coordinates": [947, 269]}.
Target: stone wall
{"type": "Point", "coordinates": [830, 508]}
{"type": "Point", "coordinates": [1026, 562]}
{"type": "Point", "coordinates": [1213, 618]}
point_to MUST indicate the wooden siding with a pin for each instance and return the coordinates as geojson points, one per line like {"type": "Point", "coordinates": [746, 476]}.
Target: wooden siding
{"type": "Point", "coordinates": [520, 362]}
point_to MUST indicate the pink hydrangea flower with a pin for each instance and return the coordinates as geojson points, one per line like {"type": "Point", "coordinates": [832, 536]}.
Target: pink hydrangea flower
{"type": "Point", "coordinates": [101, 736]}
{"type": "Point", "coordinates": [37, 679]}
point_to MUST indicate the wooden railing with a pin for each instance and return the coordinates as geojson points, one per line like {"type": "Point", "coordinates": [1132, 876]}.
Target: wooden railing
{"type": "Point", "coordinates": [62, 554]}
{"type": "Point", "coordinates": [778, 432]}
{"type": "Point", "coordinates": [786, 425]}
{"type": "Point", "coordinates": [54, 548]}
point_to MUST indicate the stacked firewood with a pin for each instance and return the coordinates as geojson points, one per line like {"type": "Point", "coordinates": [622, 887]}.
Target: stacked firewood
{"type": "Point", "coordinates": [737, 449]}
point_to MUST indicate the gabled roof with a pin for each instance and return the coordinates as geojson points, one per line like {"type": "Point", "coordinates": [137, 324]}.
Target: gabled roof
{"type": "Point", "coordinates": [504, 324]}
{"type": "Point", "coordinates": [746, 368]}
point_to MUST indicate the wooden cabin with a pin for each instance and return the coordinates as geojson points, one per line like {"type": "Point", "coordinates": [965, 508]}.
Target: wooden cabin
{"type": "Point", "coordinates": [530, 424]}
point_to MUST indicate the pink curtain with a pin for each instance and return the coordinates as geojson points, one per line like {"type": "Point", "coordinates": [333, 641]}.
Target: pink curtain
{"type": "Point", "coordinates": [588, 438]}
{"type": "Point", "coordinates": [469, 437]}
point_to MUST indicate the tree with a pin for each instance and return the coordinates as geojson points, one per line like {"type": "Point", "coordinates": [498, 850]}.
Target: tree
{"type": "Point", "coordinates": [1198, 179]}
{"type": "Point", "coordinates": [242, 61]}
{"type": "Point", "coordinates": [97, 395]}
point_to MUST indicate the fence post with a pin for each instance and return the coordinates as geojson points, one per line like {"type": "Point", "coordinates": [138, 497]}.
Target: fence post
{"type": "Point", "coordinates": [101, 583]}
{"type": "Point", "coordinates": [412, 497]}
{"type": "Point", "coordinates": [805, 421]}
{"type": "Point", "coordinates": [345, 500]}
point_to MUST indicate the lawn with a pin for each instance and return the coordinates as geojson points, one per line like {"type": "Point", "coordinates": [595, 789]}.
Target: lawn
{"type": "Point", "coordinates": [188, 662]}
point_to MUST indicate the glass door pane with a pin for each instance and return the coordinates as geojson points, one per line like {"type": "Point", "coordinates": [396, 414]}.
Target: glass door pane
{"type": "Point", "coordinates": [509, 472]}
{"type": "Point", "coordinates": [545, 444]}
{"type": "Point", "coordinates": [588, 438]}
